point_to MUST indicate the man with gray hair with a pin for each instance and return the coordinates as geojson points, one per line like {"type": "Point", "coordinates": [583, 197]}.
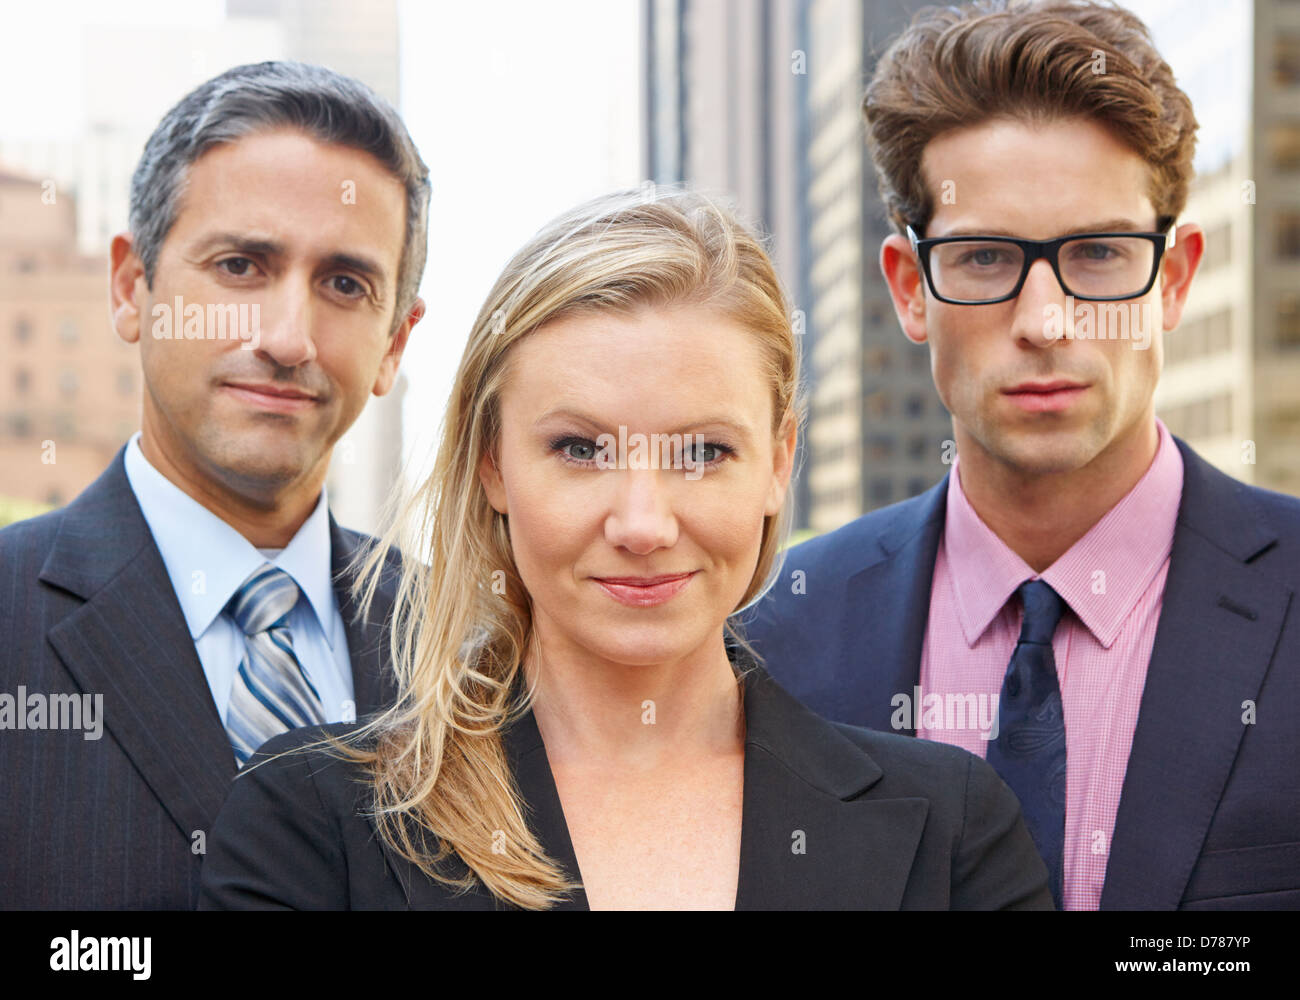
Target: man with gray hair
{"type": "Point", "coordinates": [199, 589]}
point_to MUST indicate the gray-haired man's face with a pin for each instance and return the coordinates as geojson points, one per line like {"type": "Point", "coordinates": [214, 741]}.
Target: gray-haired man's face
{"type": "Point", "coordinates": [268, 323]}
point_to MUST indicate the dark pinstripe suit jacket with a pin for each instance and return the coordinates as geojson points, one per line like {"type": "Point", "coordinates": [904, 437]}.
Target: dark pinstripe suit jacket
{"type": "Point", "coordinates": [86, 607]}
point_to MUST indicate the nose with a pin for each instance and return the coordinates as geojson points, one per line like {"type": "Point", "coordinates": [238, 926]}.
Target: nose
{"type": "Point", "coordinates": [641, 517]}
{"type": "Point", "coordinates": [1041, 309]}
{"type": "Point", "coordinates": [286, 334]}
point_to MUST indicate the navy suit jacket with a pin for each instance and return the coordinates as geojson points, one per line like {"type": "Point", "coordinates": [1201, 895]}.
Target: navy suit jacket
{"type": "Point", "coordinates": [1209, 816]}
{"type": "Point", "coordinates": [86, 606]}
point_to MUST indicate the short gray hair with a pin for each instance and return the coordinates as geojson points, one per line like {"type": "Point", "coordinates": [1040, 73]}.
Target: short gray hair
{"type": "Point", "coordinates": [328, 106]}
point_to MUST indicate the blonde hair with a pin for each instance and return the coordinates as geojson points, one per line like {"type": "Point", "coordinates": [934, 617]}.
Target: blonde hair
{"type": "Point", "coordinates": [441, 782]}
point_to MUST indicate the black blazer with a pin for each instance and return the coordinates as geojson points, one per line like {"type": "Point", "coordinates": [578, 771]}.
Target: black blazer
{"type": "Point", "coordinates": [887, 823]}
{"type": "Point", "coordinates": [86, 606]}
{"type": "Point", "coordinates": [1209, 816]}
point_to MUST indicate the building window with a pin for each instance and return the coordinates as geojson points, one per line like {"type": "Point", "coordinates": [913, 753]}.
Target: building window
{"type": "Point", "coordinates": [68, 330]}
{"type": "Point", "coordinates": [22, 330]}
{"type": "Point", "coordinates": [19, 425]}
{"type": "Point", "coordinates": [68, 383]}
{"type": "Point", "coordinates": [882, 490]}
{"type": "Point", "coordinates": [880, 447]}
{"type": "Point", "coordinates": [1288, 233]}
{"type": "Point", "coordinates": [880, 404]}
{"type": "Point", "coordinates": [1286, 60]}
{"type": "Point", "coordinates": [1288, 321]}
{"type": "Point", "coordinates": [1202, 418]}
{"type": "Point", "coordinates": [1284, 145]}
{"type": "Point", "coordinates": [64, 425]}
{"type": "Point", "coordinates": [22, 380]}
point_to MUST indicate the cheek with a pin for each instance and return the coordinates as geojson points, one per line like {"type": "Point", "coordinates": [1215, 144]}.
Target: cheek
{"type": "Point", "coordinates": [724, 520]}
{"type": "Point", "coordinates": [949, 370]}
{"type": "Point", "coordinates": [549, 528]}
{"type": "Point", "coordinates": [175, 370]}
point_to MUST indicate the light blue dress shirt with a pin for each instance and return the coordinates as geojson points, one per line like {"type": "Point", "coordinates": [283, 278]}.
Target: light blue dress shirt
{"type": "Point", "coordinates": [207, 560]}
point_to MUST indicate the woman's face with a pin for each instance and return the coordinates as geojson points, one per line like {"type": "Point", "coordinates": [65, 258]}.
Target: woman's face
{"type": "Point", "coordinates": [629, 559]}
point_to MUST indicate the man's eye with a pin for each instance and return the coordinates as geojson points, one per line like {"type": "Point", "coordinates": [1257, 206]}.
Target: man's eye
{"type": "Point", "coordinates": [709, 453]}
{"type": "Point", "coordinates": [345, 285]}
{"type": "Point", "coordinates": [236, 267]}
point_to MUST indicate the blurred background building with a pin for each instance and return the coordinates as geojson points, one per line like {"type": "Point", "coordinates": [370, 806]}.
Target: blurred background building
{"type": "Point", "coordinates": [523, 110]}
{"type": "Point", "coordinates": [761, 98]}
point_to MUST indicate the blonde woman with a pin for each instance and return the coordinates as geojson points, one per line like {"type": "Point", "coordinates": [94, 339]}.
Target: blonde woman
{"type": "Point", "coordinates": [578, 724]}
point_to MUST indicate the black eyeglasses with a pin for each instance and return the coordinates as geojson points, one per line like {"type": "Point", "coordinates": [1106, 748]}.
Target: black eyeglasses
{"type": "Point", "coordinates": [1096, 267]}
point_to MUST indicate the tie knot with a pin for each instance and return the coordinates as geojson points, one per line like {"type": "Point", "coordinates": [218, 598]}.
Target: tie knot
{"type": "Point", "coordinates": [1043, 608]}
{"type": "Point", "coordinates": [263, 600]}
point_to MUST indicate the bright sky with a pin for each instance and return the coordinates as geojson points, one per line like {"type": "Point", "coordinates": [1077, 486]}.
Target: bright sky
{"type": "Point", "coordinates": [521, 110]}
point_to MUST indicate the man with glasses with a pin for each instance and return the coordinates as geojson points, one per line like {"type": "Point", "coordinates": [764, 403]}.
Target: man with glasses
{"type": "Point", "coordinates": [1083, 601]}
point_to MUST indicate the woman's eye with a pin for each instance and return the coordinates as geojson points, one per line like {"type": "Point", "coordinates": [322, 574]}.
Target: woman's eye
{"type": "Point", "coordinates": [575, 449]}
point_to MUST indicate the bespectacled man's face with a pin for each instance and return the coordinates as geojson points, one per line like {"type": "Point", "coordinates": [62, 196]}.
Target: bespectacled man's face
{"type": "Point", "coordinates": [1037, 383]}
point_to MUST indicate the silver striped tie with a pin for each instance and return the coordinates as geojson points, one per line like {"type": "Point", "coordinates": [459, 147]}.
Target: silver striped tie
{"type": "Point", "coordinates": [270, 693]}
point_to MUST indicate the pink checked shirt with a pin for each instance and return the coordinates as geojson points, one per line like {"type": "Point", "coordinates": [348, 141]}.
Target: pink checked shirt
{"type": "Point", "coordinates": [1112, 581]}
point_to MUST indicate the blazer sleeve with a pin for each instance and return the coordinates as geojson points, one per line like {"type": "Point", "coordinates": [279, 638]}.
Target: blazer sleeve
{"type": "Point", "coordinates": [274, 845]}
{"type": "Point", "coordinates": [996, 866]}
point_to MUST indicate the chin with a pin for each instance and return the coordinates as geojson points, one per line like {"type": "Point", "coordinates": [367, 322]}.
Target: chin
{"type": "Point", "coordinates": [1050, 452]}
{"type": "Point", "coordinates": [642, 646]}
{"type": "Point", "coordinates": [268, 465]}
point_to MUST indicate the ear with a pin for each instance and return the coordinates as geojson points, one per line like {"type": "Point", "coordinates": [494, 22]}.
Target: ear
{"type": "Point", "coordinates": [1177, 270]}
{"type": "Point", "coordinates": [902, 273]}
{"type": "Point", "coordinates": [493, 485]}
{"type": "Point", "coordinates": [126, 287]}
{"type": "Point", "coordinates": [396, 346]}
{"type": "Point", "coordinates": [787, 440]}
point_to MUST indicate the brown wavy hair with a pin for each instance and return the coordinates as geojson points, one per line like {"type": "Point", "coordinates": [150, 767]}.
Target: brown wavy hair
{"type": "Point", "coordinates": [1036, 62]}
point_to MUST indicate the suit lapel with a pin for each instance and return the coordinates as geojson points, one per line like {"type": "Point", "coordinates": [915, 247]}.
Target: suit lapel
{"type": "Point", "coordinates": [886, 611]}
{"type": "Point", "coordinates": [804, 844]}
{"type": "Point", "coordinates": [1220, 621]}
{"type": "Point", "coordinates": [809, 838]}
{"type": "Point", "coordinates": [373, 680]}
{"type": "Point", "coordinates": [526, 755]}
{"type": "Point", "coordinates": [129, 642]}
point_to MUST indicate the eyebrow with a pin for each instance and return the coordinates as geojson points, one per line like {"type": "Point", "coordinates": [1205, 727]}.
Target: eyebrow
{"type": "Point", "coordinates": [271, 248]}
{"type": "Point", "coordinates": [1106, 226]}
{"type": "Point", "coordinates": [577, 415]}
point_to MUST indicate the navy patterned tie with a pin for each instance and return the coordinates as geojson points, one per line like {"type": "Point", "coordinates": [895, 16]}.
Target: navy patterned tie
{"type": "Point", "coordinates": [270, 693]}
{"type": "Point", "coordinates": [1029, 752]}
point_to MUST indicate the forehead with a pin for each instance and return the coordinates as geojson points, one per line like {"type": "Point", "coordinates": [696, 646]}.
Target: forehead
{"type": "Point", "coordinates": [657, 368]}
{"type": "Point", "coordinates": [286, 184]}
{"type": "Point", "coordinates": [1034, 180]}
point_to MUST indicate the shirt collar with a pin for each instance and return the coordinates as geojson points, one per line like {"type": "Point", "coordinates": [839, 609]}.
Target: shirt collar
{"type": "Point", "coordinates": [207, 559]}
{"type": "Point", "coordinates": [1101, 576]}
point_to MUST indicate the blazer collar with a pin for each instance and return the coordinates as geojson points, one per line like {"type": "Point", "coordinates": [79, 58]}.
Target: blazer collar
{"type": "Point", "coordinates": [885, 613]}
{"type": "Point", "coordinates": [811, 836]}
{"type": "Point", "coordinates": [130, 642]}
{"type": "Point", "coordinates": [1221, 619]}
{"type": "Point", "coordinates": [373, 681]}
